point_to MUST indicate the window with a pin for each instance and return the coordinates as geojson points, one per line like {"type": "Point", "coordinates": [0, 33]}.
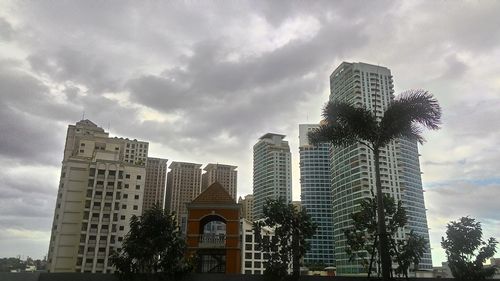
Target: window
{"type": "Point", "coordinates": [122, 217]}
{"type": "Point", "coordinates": [121, 228]}
{"type": "Point", "coordinates": [136, 207]}
{"type": "Point", "coordinates": [125, 195]}
{"type": "Point", "coordinates": [136, 197]}
{"type": "Point", "coordinates": [124, 206]}
{"type": "Point", "coordinates": [127, 176]}
{"type": "Point", "coordinates": [248, 264]}
{"type": "Point", "coordinates": [137, 187]}
{"type": "Point", "coordinates": [138, 177]}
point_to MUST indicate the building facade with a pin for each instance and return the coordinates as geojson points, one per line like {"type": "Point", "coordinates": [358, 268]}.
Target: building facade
{"type": "Point", "coordinates": [156, 179]}
{"type": "Point", "coordinates": [316, 197]}
{"type": "Point", "coordinates": [246, 207]}
{"type": "Point", "coordinates": [272, 171]}
{"type": "Point", "coordinates": [226, 175]}
{"type": "Point", "coordinates": [253, 259]}
{"type": "Point", "coordinates": [101, 187]}
{"type": "Point", "coordinates": [183, 186]}
{"type": "Point", "coordinates": [352, 169]}
{"type": "Point", "coordinates": [216, 252]}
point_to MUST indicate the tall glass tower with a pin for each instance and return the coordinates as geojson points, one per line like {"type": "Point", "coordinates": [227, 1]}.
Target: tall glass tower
{"type": "Point", "coordinates": [352, 168]}
{"type": "Point", "coordinates": [316, 196]}
{"type": "Point", "coordinates": [272, 171]}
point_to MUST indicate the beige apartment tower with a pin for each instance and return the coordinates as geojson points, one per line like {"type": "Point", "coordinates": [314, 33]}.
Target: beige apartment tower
{"type": "Point", "coordinates": [183, 186]}
{"type": "Point", "coordinates": [101, 187]}
{"type": "Point", "coordinates": [226, 175]}
{"type": "Point", "coordinates": [156, 179]}
{"type": "Point", "coordinates": [246, 207]}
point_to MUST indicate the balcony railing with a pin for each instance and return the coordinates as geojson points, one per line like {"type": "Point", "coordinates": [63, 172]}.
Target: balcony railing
{"type": "Point", "coordinates": [212, 240]}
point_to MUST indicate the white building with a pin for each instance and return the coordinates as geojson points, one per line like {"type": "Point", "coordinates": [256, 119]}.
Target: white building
{"type": "Point", "coordinates": [101, 187]}
{"type": "Point", "coordinates": [272, 171]}
{"type": "Point", "coordinates": [252, 258]}
{"type": "Point", "coordinates": [352, 169]}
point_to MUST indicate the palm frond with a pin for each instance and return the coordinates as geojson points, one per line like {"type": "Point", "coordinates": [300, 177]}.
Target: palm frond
{"type": "Point", "coordinates": [406, 115]}
{"type": "Point", "coordinates": [344, 124]}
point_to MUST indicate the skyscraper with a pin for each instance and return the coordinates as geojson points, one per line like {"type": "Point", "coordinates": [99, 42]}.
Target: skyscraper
{"type": "Point", "coordinates": [246, 207]}
{"type": "Point", "coordinates": [226, 175]}
{"type": "Point", "coordinates": [156, 178]}
{"type": "Point", "coordinates": [352, 169]}
{"type": "Point", "coordinates": [183, 185]}
{"type": "Point", "coordinates": [101, 187]}
{"type": "Point", "coordinates": [316, 196]}
{"type": "Point", "coordinates": [272, 172]}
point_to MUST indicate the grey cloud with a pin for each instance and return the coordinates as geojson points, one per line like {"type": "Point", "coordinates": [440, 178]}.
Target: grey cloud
{"type": "Point", "coordinates": [75, 65]}
{"type": "Point", "coordinates": [6, 30]}
{"type": "Point", "coordinates": [454, 199]}
{"type": "Point", "coordinates": [455, 68]}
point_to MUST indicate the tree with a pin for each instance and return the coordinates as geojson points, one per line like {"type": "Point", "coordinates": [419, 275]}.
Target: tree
{"type": "Point", "coordinates": [292, 228]}
{"type": "Point", "coordinates": [153, 244]}
{"type": "Point", "coordinates": [362, 238]}
{"type": "Point", "coordinates": [466, 251]}
{"type": "Point", "coordinates": [345, 124]}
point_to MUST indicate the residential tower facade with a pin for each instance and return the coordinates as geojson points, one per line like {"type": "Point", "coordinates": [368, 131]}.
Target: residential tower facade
{"type": "Point", "coordinates": [101, 187]}
{"type": "Point", "coordinates": [272, 171]}
{"type": "Point", "coordinates": [352, 168]}
{"type": "Point", "coordinates": [316, 196]}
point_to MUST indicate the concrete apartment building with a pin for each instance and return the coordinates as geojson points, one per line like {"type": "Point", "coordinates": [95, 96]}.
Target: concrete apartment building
{"type": "Point", "coordinates": [252, 258]}
{"type": "Point", "coordinates": [183, 186]}
{"type": "Point", "coordinates": [316, 196]}
{"type": "Point", "coordinates": [101, 187]}
{"type": "Point", "coordinates": [226, 175]}
{"type": "Point", "coordinates": [246, 207]}
{"type": "Point", "coordinates": [352, 169]}
{"type": "Point", "coordinates": [272, 171]}
{"type": "Point", "coordinates": [156, 179]}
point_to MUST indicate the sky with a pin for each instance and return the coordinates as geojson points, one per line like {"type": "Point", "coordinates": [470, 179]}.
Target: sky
{"type": "Point", "coordinates": [203, 80]}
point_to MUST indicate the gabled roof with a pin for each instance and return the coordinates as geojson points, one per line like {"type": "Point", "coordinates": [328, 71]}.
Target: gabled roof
{"type": "Point", "coordinates": [214, 194]}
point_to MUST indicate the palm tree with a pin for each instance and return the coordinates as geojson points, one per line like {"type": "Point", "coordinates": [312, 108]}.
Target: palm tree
{"type": "Point", "coordinates": [344, 124]}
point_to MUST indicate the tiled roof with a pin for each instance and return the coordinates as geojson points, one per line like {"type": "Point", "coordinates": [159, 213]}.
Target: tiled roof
{"type": "Point", "coordinates": [214, 194]}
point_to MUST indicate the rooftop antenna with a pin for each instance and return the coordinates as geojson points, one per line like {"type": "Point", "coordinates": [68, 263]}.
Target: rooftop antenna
{"type": "Point", "coordinates": [109, 124]}
{"type": "Point", "coordinates": [83, 115]}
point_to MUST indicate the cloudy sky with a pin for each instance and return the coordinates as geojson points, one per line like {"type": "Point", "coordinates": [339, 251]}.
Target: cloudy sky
{"type": "Point", "coordinates": [202, 80]}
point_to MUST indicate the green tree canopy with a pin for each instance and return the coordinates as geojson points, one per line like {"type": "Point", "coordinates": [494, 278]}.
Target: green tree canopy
{"type": "Point", "coordinates": [153, 244]}
{"type": "Point", "coordinates": [467, 251]}
{"type": "Point", "coordinates": [292, 228]}
{"type": "Point", "coordinates": [363, 241]}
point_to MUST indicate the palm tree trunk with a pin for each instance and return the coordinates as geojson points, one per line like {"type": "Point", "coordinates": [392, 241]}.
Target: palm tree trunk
{"type": "Point", "coordinates": [384, 243]}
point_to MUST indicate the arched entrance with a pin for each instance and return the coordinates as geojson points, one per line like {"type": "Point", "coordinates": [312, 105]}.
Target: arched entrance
{"type": "Point", "coordinates": [213, 231]}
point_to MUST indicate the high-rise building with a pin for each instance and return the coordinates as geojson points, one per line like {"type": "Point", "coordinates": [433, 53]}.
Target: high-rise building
{"type": "Point", "coordinates": [316, 196]}
{"type": "Point", "coordinates": [352, 168]}
{"type": "Point", "coordinates": [246, 207]}
{"type": "Point", "coordinates": [272, 171]}
{"type": "Point", "coordinates": [183, 185]}
{"type": "Point", "coordinates": [156, 178]}
{"type": "Point", "coordinates": [101, 187]}
{"type": "Point", "coordinates": [226, 175]}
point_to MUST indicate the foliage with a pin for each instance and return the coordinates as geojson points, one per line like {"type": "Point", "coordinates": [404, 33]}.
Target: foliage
{"type": "Point", "coordinates": [466, 251]}
{"type": "Point", "coordinates": [288, 243]}
{"type": "Point", "coordinates": [16, 264]}
{"type": "Point", "coordinates": [345, 124]}
{"type": "Point", "coordinates": [362, 239]}
{"type": "Point", "coordinates": [153, 244]}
